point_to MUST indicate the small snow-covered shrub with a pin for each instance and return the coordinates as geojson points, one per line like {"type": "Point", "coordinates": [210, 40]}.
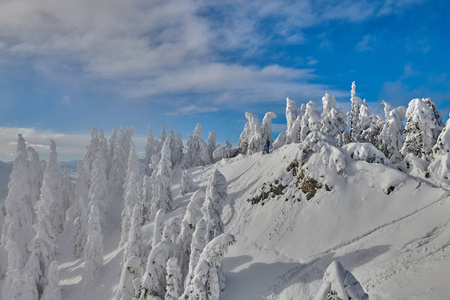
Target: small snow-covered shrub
{"type": "Point", "coordinates": [366, 152]}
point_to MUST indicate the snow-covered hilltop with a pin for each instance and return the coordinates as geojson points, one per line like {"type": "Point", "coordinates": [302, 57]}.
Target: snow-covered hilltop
{"type": "Point", "coordinates": [342, 208]}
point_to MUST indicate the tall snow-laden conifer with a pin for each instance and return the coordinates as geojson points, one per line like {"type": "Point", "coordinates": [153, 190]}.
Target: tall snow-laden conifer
{"type": "Point", "coordinates": [154, 279]}
{"type": "Point", "coordinates": [208, 280]}
{"type": "Point", "coordinates": [370, 126]}
{"type": "Point", "coordinates": [334, 122]}
{"type": "Point", "coordinates": [250, 139]}
{"type": "Point", "coordinates": [422, 129]}
{"type": "Point", "coordinates": [266, 128]}
{"type": "Point", "coordinates": [211, 143]}
{"type": "Point", "coordinates": [222, 151]}
{"type": "Point", "coordinates": [111, 146]}
{"type": "Point", "coordinates": [36, 177]}
{"type": "Point", "coordinates": [91, 152]}
{"type": "Point", "coordinates": [93, 251]}
{"type": "Point", "coordinates": [162, 193]}
{"type": "Point", "coordinates": [172, 230]}
{"type": "Point", "coordinates": [98, 192]}
{"type": "Point", "coordinates": [52, 291]}
{"type": "Point", "coordinates": [291, 114]}
{"type": "Point", "coordinates": [353, 115]}
{"type": "Point", "coordinates": [81, 208]}
{"type": "Point", "coordinates": [186, 183]}
{"type": "Point", "coordinates": [188, 226]}
{"type": "Point", "coordinates": [53, 188]}
{"type": "Point", "coordinates": [18, 223]}
{"type": "Point", "coordinates": [196, 152]}
{"type": "Point", "coordinates": [310, 120]}
{"type": "Point", "coordinates": [198, 243]}
{"type": "Point", "coordinates": [216, 193]}
{"type": "Point", "coordinates": [150, 150]}
{"type": "Point", "coordinates": [132, 194]}
{"type": "Point", "coordinates": [158, 228]}
{"type": "Point", "coordinates": [391, 136]}
{"type": "Point", "coordinates": [176, 148]}
{"type": "Point", "coordinates": [174, 283]}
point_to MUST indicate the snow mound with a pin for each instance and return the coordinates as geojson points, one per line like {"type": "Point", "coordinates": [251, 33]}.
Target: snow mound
{"type": "Point", "coordinates": [366, 152]}
{"type": "Point", "coordinates": [338, 283]}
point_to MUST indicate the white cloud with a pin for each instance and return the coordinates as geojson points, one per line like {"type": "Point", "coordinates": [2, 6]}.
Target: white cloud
{"type": "Point", "coordinates": [191, 110]}
{"type": "Point", "coordinates": [367, 43]}
{"type": "Point", "coordinates": [144, 49]}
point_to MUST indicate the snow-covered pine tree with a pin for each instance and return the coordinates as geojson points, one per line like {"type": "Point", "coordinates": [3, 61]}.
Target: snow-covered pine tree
{"type": "Point", "coordinates": [162, 139]}
{"type": "Point", "coordinates": [211, 144]}
{"type": "Point", "coordinates": [442, 145]}
{"type": "Point", "coordinates": [422, 129]}
{"type": "Point", "coordinates": [208, 280]}
{"type": "Point", "coordinates": [111, 145]}
{"type": "Point", "coordinates": [216, 193]}
{"type": "Point", "coordinates": [81, 208]}
{"type": "Point", "coordinates": [338, 283]}
{"type": "Point", "coordinates": [162, 192]}
{"type": "Point", "coordinates": [353, 115]}
{"type": "Point", "coordinates": [132, 194]}
{"type": "Point", "coordinates": [91, 152]}
{"type": "Point", "coordinates": [52, 291]}
{"type": "Point", "coordinates": [43, 245]}
{"type": "Point", "coordinates": [16, 286]}
{"type": "Point", "coordinates": [150, 150]}
{"type": "Point", "coordinates": [53, 188]}
{"type": "Point", "coordinates": [186, 183]}
{"type": "Point", "coordinates": [370, 126]}
{"type": "Point", "coordinates": [93, 251]}
{"type": "Point", "coordinates": [103, 145]}
{"type": "Point", "coordinates": [36, 176]}
{"type": "Point", "coordinates": [18, 223]}
{"type": "Point", "coordinates": [439, 168]}
{"type": "Point", "coordinates": [250, 139]}
{"type": "Point", "coordinates": [196, 152]}
{"type": "Point", "coordinates": [222, 151]}
{"type": "Point", "coordinates": [176, 148]}
{"type": "Point", "coordinates": [198, 243]}
{"type": "Point", "coordinates": [334, 122]}
{"type": "Point", "coordinates": [147, 191]}
{"type": "Point", "coordinates": [98, 191]}
{"type": "Point", "coordinates": [266, 128]}
{"type": "Point", "coordinates": [174, 284]}
{"type": "Point", "coordinates": [291, 114]}
{"type": "Point", "coordinates": [158, 227]}
{"type": "Point", "coordinates": [154, 279]}
{"type": "Point", "coordinates": [391, 136]}
{"type": "Point", "coordinates": [310, 120]}
{"type": "Point", "coordinates": [172, 230]}
{"type": "Point", "coordinates": [68, 192]}
{"type": "Point", "coordinates": [188, 226]}
{"type": "Point", "coordinates": [132, 262]}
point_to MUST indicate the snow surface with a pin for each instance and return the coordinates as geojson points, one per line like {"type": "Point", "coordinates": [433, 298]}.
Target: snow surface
{"type": "Point", "coordinates": [389, 229]}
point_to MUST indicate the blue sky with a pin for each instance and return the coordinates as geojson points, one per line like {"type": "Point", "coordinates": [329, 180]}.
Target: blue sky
{"type": "Point", "coordinates": [67, 66]}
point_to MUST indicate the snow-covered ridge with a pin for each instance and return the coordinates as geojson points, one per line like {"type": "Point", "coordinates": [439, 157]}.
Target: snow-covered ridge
{"type": "Point", "coordinates": [204, 221]}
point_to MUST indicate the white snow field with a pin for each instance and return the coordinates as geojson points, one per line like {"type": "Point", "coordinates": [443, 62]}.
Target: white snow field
{"type": "Point", "coordinates": [389, 229]}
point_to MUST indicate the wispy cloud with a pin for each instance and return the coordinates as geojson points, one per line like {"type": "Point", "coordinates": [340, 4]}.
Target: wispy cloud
{"type": "Point", "coordinates": [147, 48]}
{"type": "Point", "coordinates": [367, 43]}
{"type": "Point", "coordinates": [191, 110]}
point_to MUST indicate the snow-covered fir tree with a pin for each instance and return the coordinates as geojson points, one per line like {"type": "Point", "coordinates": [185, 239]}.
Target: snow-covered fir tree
{"type": "Point", "coordinates": [54, 190]}
{"type": "Point", "coordinates": [208, 280]}
{"type": "Point", "coordinates": [439, 169]}
{"type": "Point", "coordinates": [98, 191]}
{"type": "Point", "coordinates": [334, 122]}
{"type": "Point", "coordinates": [154, 279]}
{"type": "Point", "coordinates": [250, 139]}
{"type": "Point", "coordinates": [52, 291]}
{"type": "Point", "coordinates": [36, 176]}
{"type": "Point", "coordinates": [224, 151]}
{"type": "Point", "coordinates": [132, 194]}
{"type": "Point", "coordinates": [353, 114]}
{"type": "Point", "coordinates": [422, 129]}
{"type": "Point", "coordinates": [93, 251]}
{"type": "Point", "coordinates": [111, 146]}
{"type": "Point", "coordinates": [147, 191]}
{"type": "Point", "coordinates": [176, 148]}
{"type": "Point", "coordinates": [18, 222]}
{"type": "Point", "coordinates": [81, 209]}
{"type": "Point", "coordinates": [162, 192]}
{"type": "Point", "coordinates": [172, 230]}
{"type": "Point", "coordinates": [91, 152]}
{"type": "Point", "coordinates": [266, 128]}
{"type": "Point", "coordinates": [174, 284]}
{"type": "Point", "coordinates": [211, 144]}
{"type": "Point", "coordinates": [158, 227]}
{"type": "Point", "coordinates": [132, 268]}
{"type": "Point", "coordinates": [196, 152]}
{"type": "Point", "coordinates": [162, 139]}
{"type": "Point", "coordinates": [338, 283]}
{"type": "Point", "coordinates": [198, 244]}
{"type": "Point", "coordinates": [150, 150]}
{"type": "Point", "coordinates": [186, 183]}
{"type": "Point", "coordinates": [310, 120]}
{"type": "Point", "coordinates": [391, 136]}
{"type": "Point", "coordinates": [370, 126]}
{"type": "Point", "coordinates": [188, 226]}
{"type": "Point", "coordinates": [291, 114]}
{"type": "Point", "coordinates": [216, 193]}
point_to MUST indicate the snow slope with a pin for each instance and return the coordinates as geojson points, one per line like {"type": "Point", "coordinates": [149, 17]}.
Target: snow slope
{"type": "Point", "coordinates": [389, 229]}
